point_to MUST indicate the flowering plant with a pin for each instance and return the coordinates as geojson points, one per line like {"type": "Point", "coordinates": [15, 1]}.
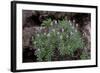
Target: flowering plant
{"type": "Point", "coordinates": [64, 36]}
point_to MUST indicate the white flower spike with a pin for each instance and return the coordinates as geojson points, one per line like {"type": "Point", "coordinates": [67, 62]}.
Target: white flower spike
{"type": "Point", "coordinates": [76, 25]}
{"type": "Point", "coordinates": [35, 42]}
{"type": "Point", "coordinates": [76, 30]}
{"type": "Point", "coordinates": [38, 35]}
{"type": "Point", "coordinates": [53, 30]}
{"type": "Point", "coordinates": [73, 21]}
{"type": "Point", "coordinates": [62, 30]}
{"type": "Point", "coordinates": [44, 33]}
{"type": "Point", "coordinates": [48, 34]}
{"type": "Point", "coordinates": [58, 33]}
{"type": "Point", "coordinates": [66, 36]}
{"type": "Point", "coordinates": [61, 37]}
{"type": "Point", "coordinates": [71, 33]}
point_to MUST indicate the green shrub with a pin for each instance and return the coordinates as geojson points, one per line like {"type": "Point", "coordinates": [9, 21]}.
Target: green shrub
{"type": "Point", "coordinates": [84, 55]}
{"type": "Point", "coordinates": [65, 37]}
{"type": "Point", "coordinates": [71, 39]}
{"type": "Point", "coordinates": [47, 22]}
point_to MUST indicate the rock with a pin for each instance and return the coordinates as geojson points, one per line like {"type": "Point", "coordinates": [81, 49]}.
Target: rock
{"type": "Point", "coordinates": [27, 35]}
{"type": "Point", "coordinates": [28, 55]}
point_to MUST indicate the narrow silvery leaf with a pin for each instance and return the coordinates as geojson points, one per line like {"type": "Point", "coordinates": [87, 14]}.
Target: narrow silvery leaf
{"type": "Point", "coordinates": [51, 24]}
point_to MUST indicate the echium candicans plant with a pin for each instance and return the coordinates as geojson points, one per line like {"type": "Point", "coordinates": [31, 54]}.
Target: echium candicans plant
{"type": "Point", "coordinates": [65, 37]}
